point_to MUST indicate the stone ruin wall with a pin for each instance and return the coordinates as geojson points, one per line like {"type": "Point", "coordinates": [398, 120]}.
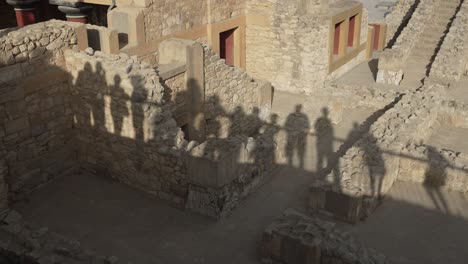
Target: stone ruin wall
{"type": "Point", "coordinates": [231, 95]}
{"type": "Point", "coordinates": [35, 111]}
{"type": "Point", "coordinates": [291, 51]}
{"type": "Point", "coordinates": [101, 113]}
{"type": "Point", "coordinates": [440, 167]}
{"type": "Point", "coordinates": [451, 61]}
{"type": "Point", "coordinates": [369, 168]}
{"type": "Point", "coordinates": [166, 17]}
{"type": "Point", "coordinates": [399, 16]}
{"type": "Point", "coordinates": [123, 128]}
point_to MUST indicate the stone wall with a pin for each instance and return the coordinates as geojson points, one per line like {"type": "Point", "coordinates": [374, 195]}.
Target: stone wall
{"type": "Point", "coordinates": [166, 17]}
{"type": "Point", "coordinates": [365, 173]}
{"type": "Point", "coordinates": [451, 61]}
{"type": "Point", "coordinates": [393, 60]}
{"type": "Point", "coordinates": [122, 126]}
{"type": "Point", "coordinates": [35, 111]}
{"type": "Point", "coordinates": [224, 171]}
{"type": "Point", "coordinates": [35, 40]}
{"type": "Point", "coordinates": [233, 98]}
{"type": "Point", "coordinates": [296, 238]}
{"type": "Point", "coordinates": [292, 50]}
{"type": "Point", "coordinates": [398, 18]}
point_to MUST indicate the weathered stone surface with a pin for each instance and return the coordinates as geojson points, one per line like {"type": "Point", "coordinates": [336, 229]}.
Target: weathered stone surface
{"type": "Point", "coordinates": [300, 239]}
{"type": "Point", "coordinates": [22, 243]}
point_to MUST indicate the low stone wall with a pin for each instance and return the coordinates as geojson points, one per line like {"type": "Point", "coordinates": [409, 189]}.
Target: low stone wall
{"type": "Point", "coordinates": [365, 173]}
{"type": "Point", "coordinates": [224, 171]}
{"type": "Point", "coordinates": [438, 168]}
{"type": "Point", "coordinates": [22, 243]}
{"type": "Point", "coordinates": [450, 63]}
{"type": "Point", "coordinates": [393, 60]}
{"type": "Point", "coordinates": [399, 16]}
{"type": "Point", "coordinates": [296, 238]}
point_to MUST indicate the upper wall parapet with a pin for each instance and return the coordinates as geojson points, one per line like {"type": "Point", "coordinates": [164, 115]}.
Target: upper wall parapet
{"type": "Point", "coordinates": [33, 41]}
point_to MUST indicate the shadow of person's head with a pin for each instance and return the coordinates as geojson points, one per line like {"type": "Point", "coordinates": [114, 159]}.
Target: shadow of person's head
{"type": "Point", "coordinates": [325, 112]}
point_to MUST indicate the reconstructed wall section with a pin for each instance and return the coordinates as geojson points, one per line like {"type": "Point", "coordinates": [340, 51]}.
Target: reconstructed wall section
{"type": "Point", "coordinates": [290, 49]}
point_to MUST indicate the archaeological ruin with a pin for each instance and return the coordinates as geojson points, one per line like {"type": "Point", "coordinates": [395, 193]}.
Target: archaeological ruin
{"type": "Point", "coordinates": [233, 131]}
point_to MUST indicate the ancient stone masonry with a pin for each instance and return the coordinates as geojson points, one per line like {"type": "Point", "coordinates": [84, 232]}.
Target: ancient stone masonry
{"type": "Point", "coordinates": [122, 125]}
{"type": "Point", "coordinates": [224, 171]}
{"type": "Point", "coordinates": [450, 63]}
{"type": "Point", "coordinates": [292, 50]}
{"type": "Point", "coordinates": [444, 168]}
{"type": "Point", "coordinates": [22, 243]}
{"type": "Point", "coordinates": [393, 60]}
{"type": "Point", "coordinates": [296, 238]}
{"type": "Point", "coordinates": [35, 111]}
{"type": "Point", "coordinates": [23, 45]}
{"type": "Point", "coordinates": [368, 169]}
{"type": "Point", "coordinates": [163, 18]}
{"type": "Point", "coordinates": [232, 90]}
{"type": "Point", "coordinates": [400, 15]}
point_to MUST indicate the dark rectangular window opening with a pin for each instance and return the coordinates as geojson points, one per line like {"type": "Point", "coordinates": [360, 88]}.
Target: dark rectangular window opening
{"type": "Point", "coordinates": [352, 28]}
{"type": "Point", "coordinates": [336, 42]}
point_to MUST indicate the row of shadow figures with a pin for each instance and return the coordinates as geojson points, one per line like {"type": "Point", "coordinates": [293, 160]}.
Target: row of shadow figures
{"type": "Point", "coordinates": [297, 127]}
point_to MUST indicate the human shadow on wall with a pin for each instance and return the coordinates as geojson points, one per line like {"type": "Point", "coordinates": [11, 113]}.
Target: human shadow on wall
{"type": "Point", "coordinates": [297, 127]}
{"type": "Point", "coordinates": [138, 98]}
{"type": "Point", "coordinates": [325, 136]}
{"type": "Point", "coordinates": [436, 178]}
{"type": "Point", "coordinates": [118, 105]}
{"type": "Point", "coordinates": [375, 164]}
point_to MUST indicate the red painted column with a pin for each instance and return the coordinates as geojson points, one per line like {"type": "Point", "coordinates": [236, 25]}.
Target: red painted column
{"type": "Point", "coordinates": [25, 10]}
{"type": "Point", "coordinates": [76, 14]}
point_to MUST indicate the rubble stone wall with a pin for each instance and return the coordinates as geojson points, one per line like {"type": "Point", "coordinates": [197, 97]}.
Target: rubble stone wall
{"type": "Point", "coordinates": [35, 110]}
{"type": "Point", "coordinates": [122, 126]}
{"type": "Point", "coordinates": [166, 17]}
{"type": "Point", "coordinates": [224, 171]}
{"type": "Point", "coordinates": [434, 167]}
{"type": "Point", "coordinates": [369, 168]}
{"type": "Point", "coordinates": [392, 60]}
{"type": "Point", "coordinates": [450, 63]}
{"type": "Point", "coordinates": [232, 98]}
{"type": "Point", "coordinates": [291, 51]}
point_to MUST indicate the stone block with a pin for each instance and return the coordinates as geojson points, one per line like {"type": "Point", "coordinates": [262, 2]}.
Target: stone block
{"type": "Point", "coordinates": [103, 39]}
{"type": "Point", "coordinates": [129, 24]}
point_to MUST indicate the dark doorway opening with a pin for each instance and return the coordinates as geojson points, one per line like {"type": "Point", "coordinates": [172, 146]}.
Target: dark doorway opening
{"type": "Point", "coordinates": [352, 28]}
{"type": "Point", "coordinates": [226, 46]}
{"type": "Point", "coordinates": [336, 42]}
